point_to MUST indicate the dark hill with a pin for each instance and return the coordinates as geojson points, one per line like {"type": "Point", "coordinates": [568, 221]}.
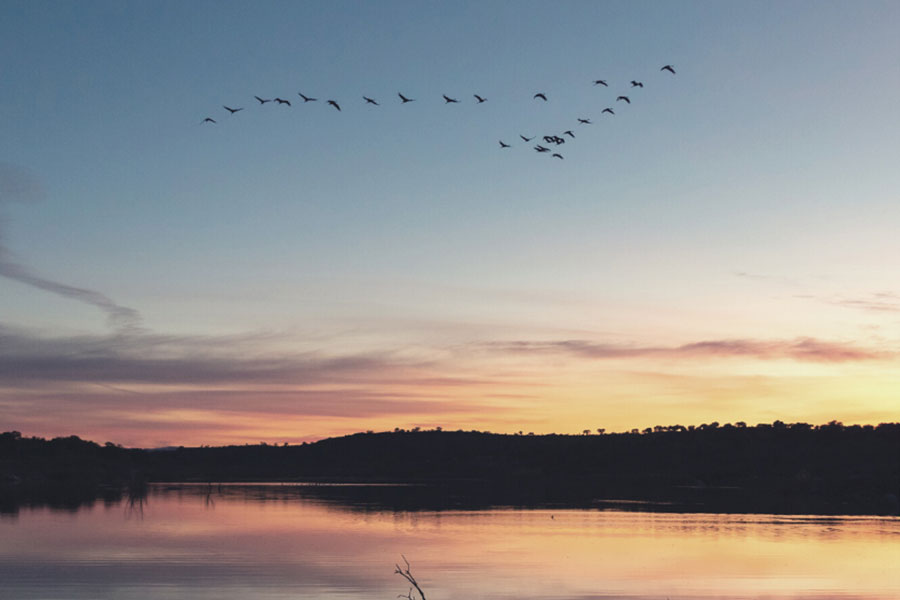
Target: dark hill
{"type": "Point", "coordinates": [829, 469]}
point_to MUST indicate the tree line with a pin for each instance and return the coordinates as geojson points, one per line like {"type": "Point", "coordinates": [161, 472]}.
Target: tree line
{"type": "Point", "coordinates": [778, 467]}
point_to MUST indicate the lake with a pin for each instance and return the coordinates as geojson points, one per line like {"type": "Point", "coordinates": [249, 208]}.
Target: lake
{"type": "Point", "coordinates": [342, 542]}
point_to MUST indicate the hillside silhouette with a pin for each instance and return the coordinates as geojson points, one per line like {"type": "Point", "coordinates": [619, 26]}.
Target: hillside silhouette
{"type": "Point", "coordinates": [772, 468]}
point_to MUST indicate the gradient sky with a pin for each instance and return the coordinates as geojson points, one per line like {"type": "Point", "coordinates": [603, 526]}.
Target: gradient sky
{"type": "Point", "coordinates": [724, 248]}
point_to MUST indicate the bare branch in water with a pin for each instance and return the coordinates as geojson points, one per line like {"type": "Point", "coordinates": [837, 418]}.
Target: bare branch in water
{"type": "Point", "coordinates": [405, 573]}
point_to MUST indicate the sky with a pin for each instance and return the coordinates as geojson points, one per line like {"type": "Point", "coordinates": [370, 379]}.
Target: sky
{"type": "Point", "coordinates": [723, 248]}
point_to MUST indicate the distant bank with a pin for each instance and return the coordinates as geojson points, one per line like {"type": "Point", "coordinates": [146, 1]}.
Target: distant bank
{"type": "Point", "coordinates": [771, 468]}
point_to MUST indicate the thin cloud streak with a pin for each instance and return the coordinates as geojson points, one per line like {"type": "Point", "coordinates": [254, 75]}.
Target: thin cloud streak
{"type": "Point", "coordinates": [17, 185]}
{"type": "Point", "coordinates": [121, 318]}
{"type": "Point", "coordinates": [800, 349]}
{"type": "Point", "coordinates": [346, 402]}
{"type": "Point", "coordinates": [142, 358]}
{"type": "Point", "coordinates": [148, 387]}
{"type": "Point", "coordinates": [879, 302]}
{"type": "Point", "coordinates": [784, 281]}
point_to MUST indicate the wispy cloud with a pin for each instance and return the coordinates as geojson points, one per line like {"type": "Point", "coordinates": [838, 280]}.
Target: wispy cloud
{"type": "Point", "coordinates": [147, 387]}
{"type": "Point", "coordinates": [877, 302]}
{"type": "Point", "coordinates": [231, 387]}
{"type": "Point", "coordinates": [145, 358]}
{"type": "Point", "coordinates": [18, 185]}
{"type": "Point", "coordinates": [265, 403]}
{"type": "Point", "coordinates": [783, 281]}
{"type": "Point", "coordinates": [880, 302]}
{"type": "Point", "coordinates": [800, 349]}
{"type": "Point", "coordinates": [120, 317]}
{"type": "Point", "coordinates": [150, 358]}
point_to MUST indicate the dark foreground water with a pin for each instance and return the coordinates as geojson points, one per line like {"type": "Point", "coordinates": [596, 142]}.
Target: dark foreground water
{"type": "Point", "coordinates": [266, 542]}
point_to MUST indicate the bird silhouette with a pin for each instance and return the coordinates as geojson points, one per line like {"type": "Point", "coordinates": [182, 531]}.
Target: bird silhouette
{"type": "Point", "coordinates": [478, 98]}
{"type": "Point", "coordinates": [556, 155]}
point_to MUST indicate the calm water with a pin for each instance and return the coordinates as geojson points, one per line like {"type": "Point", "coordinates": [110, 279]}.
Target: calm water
{"type": "Point", "coordinates": [287, 542]}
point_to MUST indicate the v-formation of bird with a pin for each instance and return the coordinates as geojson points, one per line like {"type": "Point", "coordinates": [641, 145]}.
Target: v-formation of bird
{"type": "Point", "coordinates": [549, 139]}
{"type": "Point", "coordinates": [559, 140]}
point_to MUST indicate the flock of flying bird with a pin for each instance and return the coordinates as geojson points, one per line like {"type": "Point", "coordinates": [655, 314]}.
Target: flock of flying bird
{"type": "Point", "coordinates": [557, 140]}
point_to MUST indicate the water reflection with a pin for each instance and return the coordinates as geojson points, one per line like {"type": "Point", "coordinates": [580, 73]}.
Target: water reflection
{"type": "Point", "coordinates": [284, 541]}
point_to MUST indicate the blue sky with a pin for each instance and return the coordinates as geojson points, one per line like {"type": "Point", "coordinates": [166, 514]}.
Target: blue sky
{"type": "Point", "coordinates": [752, 196]}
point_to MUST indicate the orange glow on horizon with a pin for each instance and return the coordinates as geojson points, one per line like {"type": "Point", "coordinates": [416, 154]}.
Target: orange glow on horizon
{"type": "Point", "coordinates": [528, 397]}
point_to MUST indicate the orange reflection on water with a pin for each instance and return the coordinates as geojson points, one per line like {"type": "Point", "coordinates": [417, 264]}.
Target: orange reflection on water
{"type": "Point", "coordinates": [283, 542]}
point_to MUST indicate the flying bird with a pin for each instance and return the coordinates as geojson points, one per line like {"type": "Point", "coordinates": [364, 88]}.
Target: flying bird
{"type": "Point", "coordinates": [232, 110]}
{"type": "Point", "coordinates": [208, 120]}
{"type": "Point", "coordinates": [479, 98]}
{"type": "Point", "coordinates": [448, 100]}
{"type": "Point", "coordinates": [541, 96]}
{"type": "Point", "coordinates": [668, 68]}
{"type": "Point", "coordinates": [540, 148]}
{"type": "Point", "coordinates": [600, 82]}
{"type": "Point", "coordinates": [568, 132]}
{"type": "Point", "coordinates": [585, 121]}
{"type": "Point", "coordinates": [370, 101]}
{"type": "Point", "coordinates": [404, 99]}
{"type": "Point", "coordinates": [527, 139]}
{"type": "Point", "coordinates": [556, 155]}
{"type": "Point", "coordinates": [636, 84]}
{"type": "Point", "coordinates": [502, 145]}
{"type": "Point", "coordinates": [261, 101]}
{"type": "Point", "coordinates": [280, 101]}
{"type": "Point", "coordinates": [306, 98]}
{"type": "Point", "coordinates": [625, 98]}
{"type": "Point", "coordinates": [607, 110]}
{"type": "Point", "coordinates": [334, 104]}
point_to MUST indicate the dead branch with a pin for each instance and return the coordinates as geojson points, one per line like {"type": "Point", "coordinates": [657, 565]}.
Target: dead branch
{"type": "Point", "coordinates": [405, 573]}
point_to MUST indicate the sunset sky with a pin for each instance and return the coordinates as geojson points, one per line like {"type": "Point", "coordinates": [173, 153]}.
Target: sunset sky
{"type": "Point", "coordinates": [724, 248]}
